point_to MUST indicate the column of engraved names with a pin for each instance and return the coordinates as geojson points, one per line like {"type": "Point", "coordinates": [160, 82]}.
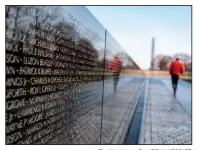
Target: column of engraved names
{"type": "Point", "coordinates": [26, 105]}
{"type": "Point", "coordinates": [84, 94]}
{"type": "Point", "coordinates": [41, 69]}
{"type": "Point", "coordinates": [89, 95]}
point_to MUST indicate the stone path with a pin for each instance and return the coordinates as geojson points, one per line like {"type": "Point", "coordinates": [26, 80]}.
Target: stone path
{"type": "Point", "coordinates": [118, 110]}
{"type": "Point", "coordinates": [183, 94]}
{"type": "Point", "coordinates": [164, 119]}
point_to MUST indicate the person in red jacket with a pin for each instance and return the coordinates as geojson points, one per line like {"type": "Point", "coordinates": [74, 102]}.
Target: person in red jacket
{"type": "Point", "coordinates": [115, 66]}
{"type": "Point", "coordinates": [176, 69]}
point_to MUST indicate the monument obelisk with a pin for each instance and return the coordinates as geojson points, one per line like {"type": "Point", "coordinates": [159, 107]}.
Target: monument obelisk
{"type": "Point", "coordinates": [152, 54]}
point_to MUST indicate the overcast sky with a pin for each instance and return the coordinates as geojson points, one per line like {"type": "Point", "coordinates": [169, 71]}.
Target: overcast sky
{"type": "Point", "coordinates": [134, 26]}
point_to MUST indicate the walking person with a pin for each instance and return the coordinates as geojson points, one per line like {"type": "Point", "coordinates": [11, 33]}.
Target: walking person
{"type": "Point", "coordinates": [176, 69]}
{"type": "Point", "coordinates": [115, 66]}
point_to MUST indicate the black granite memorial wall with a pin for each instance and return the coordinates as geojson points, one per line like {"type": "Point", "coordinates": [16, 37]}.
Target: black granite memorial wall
{"type": "Point", "coordinates": [56, 74]}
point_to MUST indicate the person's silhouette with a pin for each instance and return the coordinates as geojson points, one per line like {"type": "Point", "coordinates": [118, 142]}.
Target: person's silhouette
{"type": "Point", "coordinates": [176, 69]}
{"type": "Point", "coordinates": [115, 66]}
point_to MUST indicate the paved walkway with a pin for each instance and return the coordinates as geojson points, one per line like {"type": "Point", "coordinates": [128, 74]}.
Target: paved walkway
{"type": "Point", "coordinates": [165, 118]}
{"type": "Point", "coordinates": [184, 93]}
{"type": "Point", "coordinates": [118, 110]}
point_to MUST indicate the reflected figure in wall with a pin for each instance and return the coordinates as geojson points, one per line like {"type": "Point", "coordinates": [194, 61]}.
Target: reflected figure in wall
{"type": "Point", "coordinates": [115, 66]}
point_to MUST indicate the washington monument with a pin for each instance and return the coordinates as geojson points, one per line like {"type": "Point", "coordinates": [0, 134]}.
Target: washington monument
{"type": "Point", "coordinates": [152, 54]}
